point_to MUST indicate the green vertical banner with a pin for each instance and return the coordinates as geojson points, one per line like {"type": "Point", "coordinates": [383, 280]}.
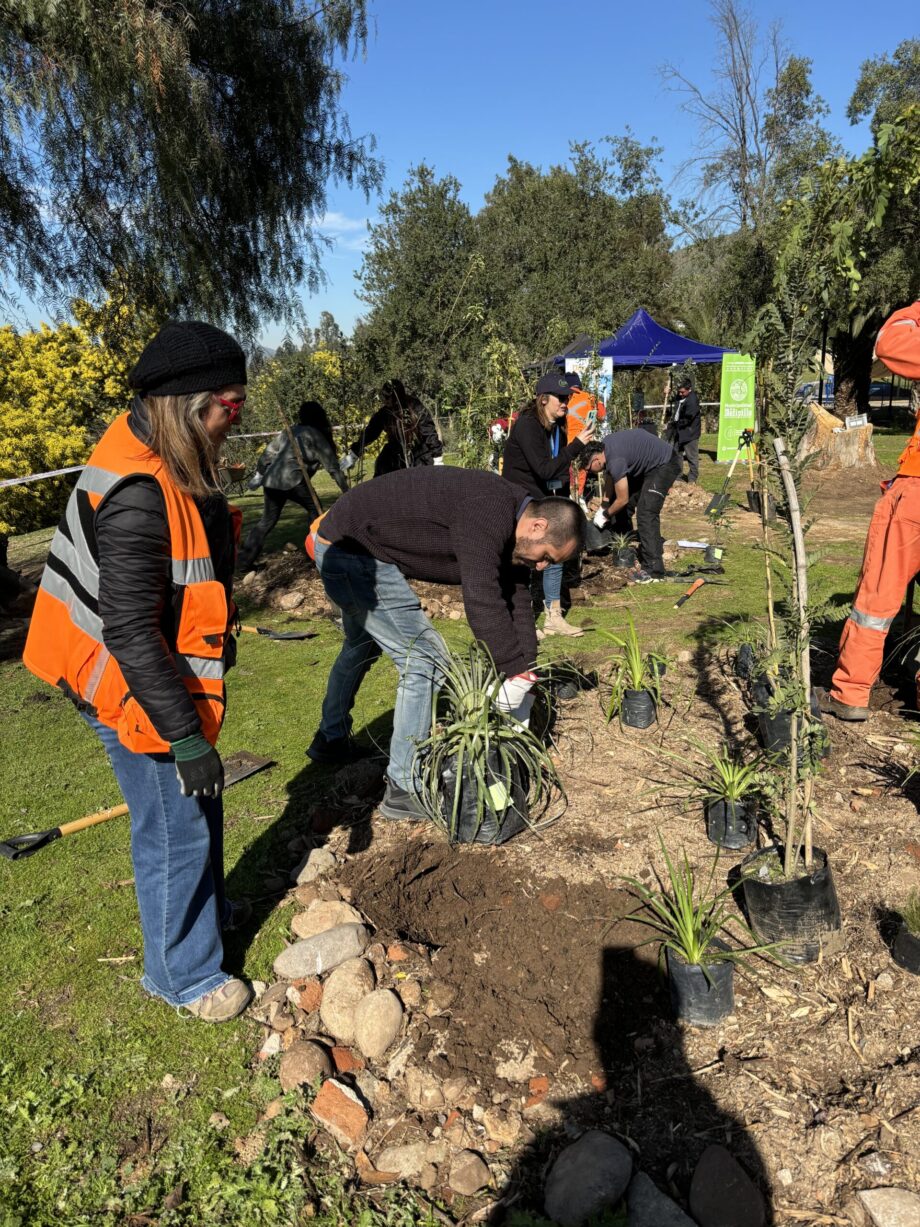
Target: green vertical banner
{"type": "Point", "coordinates": [736, 404]}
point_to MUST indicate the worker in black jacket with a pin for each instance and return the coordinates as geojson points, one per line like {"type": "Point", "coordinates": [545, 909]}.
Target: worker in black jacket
{"type": "Point", "coordinates": [537, 457]}
{"type": "Point", "coordinates": [446, 526]}
{"type": "Point", "coordinates": [411, 435]}
{"type": "Point", "coordinates": [684, 429]}
{"type": "Point", "coordinates": [133, 622]}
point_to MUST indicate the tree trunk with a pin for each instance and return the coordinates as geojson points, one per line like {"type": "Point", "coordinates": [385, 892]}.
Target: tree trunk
{"type": "Point", "coordinates": [852, 370]}
{"type": "Point", "coordinates": [833, 447]}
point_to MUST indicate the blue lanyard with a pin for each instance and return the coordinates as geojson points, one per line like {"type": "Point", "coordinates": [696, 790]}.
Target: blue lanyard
{"type": "Point", "coordinates": [554, 443]}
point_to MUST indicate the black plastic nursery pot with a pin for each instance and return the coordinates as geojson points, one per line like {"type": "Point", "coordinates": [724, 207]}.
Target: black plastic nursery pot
{"type": "Point", "coordinates": [905, 950]}
{"type": "Point", "coordinates": [754, 504]}
{"type": "Point", "coordinates": [627, 556]}
{"type": "Point", "coordinates": [637, 710]}
{"type": "Point", "coordinates": [776, 728]}
{"type": "Point", "coordinates": [744, 661]}
{"type": "Point", "coordinates": [730, 824]}
{"type": "Point", "coordinates": [701, 996]}
{"type": "Point", "coordinates": [803, 912]}
{"type": "Point", "coordinates": [473, 826]}
{"type": "Point", "coordinates": [713, 553]}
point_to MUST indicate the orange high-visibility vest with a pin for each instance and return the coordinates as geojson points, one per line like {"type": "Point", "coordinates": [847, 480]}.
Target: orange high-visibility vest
{"type": "Point", "coordinates": [898, 346]}
{"type": "Point", "coordinates": [65, 644]}
{"type": "Point", "coordinates": [579, 406]}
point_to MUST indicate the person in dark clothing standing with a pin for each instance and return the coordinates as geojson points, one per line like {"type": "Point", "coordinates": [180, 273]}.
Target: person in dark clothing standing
{"type": "Point", "coordinates": [133, 622]}
{"type": "Point", "coordinates": [446, 526]}
{"type": "Point", "coordinates": [537, 457]}
{"type": "Point", "coordinates": [684, 429]}
{"type": "Point", "coordinates": [412, 437]}
{"type": "Point", "coordinates": [281, 478]}
{"type": "Point", "coordinates": [636, 461]}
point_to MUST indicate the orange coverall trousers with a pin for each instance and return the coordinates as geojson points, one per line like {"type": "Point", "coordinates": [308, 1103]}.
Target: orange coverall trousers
{"type": "Point", "coordinates": [891, 561]}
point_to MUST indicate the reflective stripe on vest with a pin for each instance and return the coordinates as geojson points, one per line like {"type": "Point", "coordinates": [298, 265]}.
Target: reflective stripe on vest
{"type": "Point", "coordinates": [870, 621]}
{"type": "Point", "coordinates": [65, 644]}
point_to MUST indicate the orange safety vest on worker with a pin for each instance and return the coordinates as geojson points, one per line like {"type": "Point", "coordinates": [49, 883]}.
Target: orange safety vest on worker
{"type": "Point", "coordinates": [898, 346]}
{"type": "Point", "coordinates": [579, 406]}
{"type": "Point", "coordinates": [892, 555]}
{"type": "Point", "coordinates": [65, 644]}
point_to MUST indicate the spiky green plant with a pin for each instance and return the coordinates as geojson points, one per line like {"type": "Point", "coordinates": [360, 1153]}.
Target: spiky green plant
{"type": "Point", "coordinates": [631, 668]}
{"type": "Point", "coordinates": [690, 920]}
{"type": "Point", "coordinates": [910, 912]}
{"type": "Point", "coordinates": [722, 776]}
{"type": "Point", "coordinates": [474, 741]}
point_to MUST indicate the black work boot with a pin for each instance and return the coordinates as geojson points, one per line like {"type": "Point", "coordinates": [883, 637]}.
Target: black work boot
{"type": "Point", "coordinates": [335, 752]}
{"type": "Point", "coordinates": [397, 803]}
{"type": "Point", "coordinates": [833, 707]}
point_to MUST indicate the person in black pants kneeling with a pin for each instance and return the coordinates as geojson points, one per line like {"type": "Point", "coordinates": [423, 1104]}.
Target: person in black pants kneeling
{"type": "Point", "coordinates": [636, 461]}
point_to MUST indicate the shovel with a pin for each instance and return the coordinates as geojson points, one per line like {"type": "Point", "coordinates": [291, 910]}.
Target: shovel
{"type": "Point", "coordinates": [237, 766]}
{"type": "Point", "coordinates": [719, 502]}
{"type": "Point", "coordinates": [270, 634]}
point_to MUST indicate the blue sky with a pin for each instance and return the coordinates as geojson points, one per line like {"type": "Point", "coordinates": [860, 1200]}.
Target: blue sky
{"type": "Point", "coordinates": [461, 85]}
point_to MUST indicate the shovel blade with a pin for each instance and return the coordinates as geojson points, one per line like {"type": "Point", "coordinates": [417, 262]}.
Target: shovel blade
{"type": "Point", "coordinates": [18, 847]}
{"type": "Point", "coordinates": [241, 764]}
{"type": "Point", "coordinates": [716, 504]}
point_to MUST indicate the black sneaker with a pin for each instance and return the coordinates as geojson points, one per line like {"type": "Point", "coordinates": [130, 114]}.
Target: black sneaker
{"type": "Point", "coordinates": [336, 751]}
{"type": "Point", "coordinates": [397, 803]}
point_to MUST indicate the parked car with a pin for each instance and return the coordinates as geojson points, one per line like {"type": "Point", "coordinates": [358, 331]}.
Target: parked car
{"type": "Point", "coordinates": [880, 392]}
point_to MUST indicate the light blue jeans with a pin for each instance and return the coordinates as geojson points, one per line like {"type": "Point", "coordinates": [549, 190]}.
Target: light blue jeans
{"type": "Point", "coordinates": [177, 846]}
{"type": "Point", "coordinates": [380, 613]}
{"type": "Point", "coordinates": [552, 583]}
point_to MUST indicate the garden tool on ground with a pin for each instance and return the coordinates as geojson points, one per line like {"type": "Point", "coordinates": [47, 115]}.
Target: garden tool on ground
{"type": "Point", "coordinates": [719, 502]}
{"type": "Point", "coordinates": [270, 634]}
{"type": "Point", "coordinates": [695, 587]}
{"type": "Point", "coordinates": [237, 766]}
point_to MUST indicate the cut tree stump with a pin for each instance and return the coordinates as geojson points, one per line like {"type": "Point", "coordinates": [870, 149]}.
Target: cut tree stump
{"type": "Point", "coordinates": [845, 449]}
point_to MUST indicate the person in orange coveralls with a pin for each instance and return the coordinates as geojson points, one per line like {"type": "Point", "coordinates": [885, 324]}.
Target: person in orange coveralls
{"type": "Point", "coordinates": [892, 556]}
{"type": "Point", "coordinates": [581, 404]}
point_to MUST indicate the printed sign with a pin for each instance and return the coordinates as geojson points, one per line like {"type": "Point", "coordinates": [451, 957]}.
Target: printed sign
{"type": "Point", "coordinates": [736, 404]}
{"type": "Point", "coordinates": [596, 374]}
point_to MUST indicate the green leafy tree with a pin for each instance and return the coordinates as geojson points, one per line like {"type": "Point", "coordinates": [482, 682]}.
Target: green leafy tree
{"type": "Point", "coordinates": [886, 87]}
{"type": "Point", "coordinates": [576, 248]}
{"type": "Point", "coordinates": [422, 278]}
{"type": "Point", "coordinates": [174, 154]}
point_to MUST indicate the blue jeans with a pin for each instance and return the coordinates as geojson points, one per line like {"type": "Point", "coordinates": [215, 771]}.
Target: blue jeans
{"type": "Point", "coordinates": [381, 613]}
{"type": "Point", "coordinates": [177, 846]}
{"type": "Point", "coordinates": [552, 583]}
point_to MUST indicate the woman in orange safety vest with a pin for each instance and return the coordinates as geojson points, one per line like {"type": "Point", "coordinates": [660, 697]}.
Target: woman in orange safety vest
{"type": "Point", "coordinates": [133, 622]}
{"type": "Point", "coordinates": [892, 554]}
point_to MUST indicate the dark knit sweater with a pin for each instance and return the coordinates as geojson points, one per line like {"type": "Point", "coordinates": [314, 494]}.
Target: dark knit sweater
{"type": "Point", "coordinates": [449, 526]}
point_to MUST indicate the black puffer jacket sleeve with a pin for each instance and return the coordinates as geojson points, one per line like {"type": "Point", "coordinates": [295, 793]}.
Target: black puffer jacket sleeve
{"type": "Point", "coordinates": [428, 444]}
{"type": "Point", "coordinates": [135, 590]}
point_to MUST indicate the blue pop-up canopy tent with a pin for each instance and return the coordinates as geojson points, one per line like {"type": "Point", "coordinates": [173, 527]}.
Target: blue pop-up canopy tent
{"type": "Point", "coordinates": [642, 342]}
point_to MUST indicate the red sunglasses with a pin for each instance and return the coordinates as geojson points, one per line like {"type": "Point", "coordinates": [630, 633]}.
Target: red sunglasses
{"type": "Point", "coordinates": [234, 407]}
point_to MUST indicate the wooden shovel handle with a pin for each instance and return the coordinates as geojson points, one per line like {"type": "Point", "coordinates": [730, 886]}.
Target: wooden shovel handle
{"type": "Point", "coordinates": [91, 820]}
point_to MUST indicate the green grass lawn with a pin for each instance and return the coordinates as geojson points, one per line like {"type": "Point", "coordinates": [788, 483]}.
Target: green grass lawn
{"type": "Point", "coordinates": [107, 1098]}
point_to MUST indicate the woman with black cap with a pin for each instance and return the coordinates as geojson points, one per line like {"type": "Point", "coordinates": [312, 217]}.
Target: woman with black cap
{"type": "Point", "coordinates": [537, 457]}
{"type": "Point", "coordinates": [133, 623]}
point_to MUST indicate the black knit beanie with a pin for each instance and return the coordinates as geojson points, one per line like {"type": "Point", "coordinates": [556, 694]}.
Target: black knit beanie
{"type": "Point", "coordinates": [188, 356]}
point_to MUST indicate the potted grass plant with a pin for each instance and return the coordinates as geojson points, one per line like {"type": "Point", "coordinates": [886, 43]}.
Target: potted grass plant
{"type": "Point", "coordinates": [695, 924]}
{"type": "Point", "coordinates": [905, 949]}
{"type": "Point", "coordinates": [484, 777]}
{"type": "Point", "coordinates": [624, 549]}
{"type": "Point", "coordinates": [635, 680]}
{"type": "Point", "coordinates": [725, 786]}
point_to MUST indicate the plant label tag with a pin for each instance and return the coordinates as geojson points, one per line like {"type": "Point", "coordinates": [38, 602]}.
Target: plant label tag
{"type": "Point", "coordinates": [498, 795]}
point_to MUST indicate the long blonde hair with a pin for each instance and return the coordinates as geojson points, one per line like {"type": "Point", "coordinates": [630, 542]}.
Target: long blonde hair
{"type": "Point", "coordinates": [178, 437]}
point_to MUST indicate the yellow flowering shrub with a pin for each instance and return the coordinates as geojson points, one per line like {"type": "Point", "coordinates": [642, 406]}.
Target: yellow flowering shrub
{"type": "Point", "coordinates": [59, 388]}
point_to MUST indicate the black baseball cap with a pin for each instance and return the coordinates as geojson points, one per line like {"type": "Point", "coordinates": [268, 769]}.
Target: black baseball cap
{"type": "Point", "coordinates": [573, 380]}
{"type": "Point", "coordinates": [553, 384]}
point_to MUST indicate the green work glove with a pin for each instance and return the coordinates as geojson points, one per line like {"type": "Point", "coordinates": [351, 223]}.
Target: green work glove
{"type": "Point", "coordinates": [198, 767]}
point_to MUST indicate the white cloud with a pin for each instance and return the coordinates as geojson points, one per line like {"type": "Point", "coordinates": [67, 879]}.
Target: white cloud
{"type": "Point", "coordinates": [348, 233]}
